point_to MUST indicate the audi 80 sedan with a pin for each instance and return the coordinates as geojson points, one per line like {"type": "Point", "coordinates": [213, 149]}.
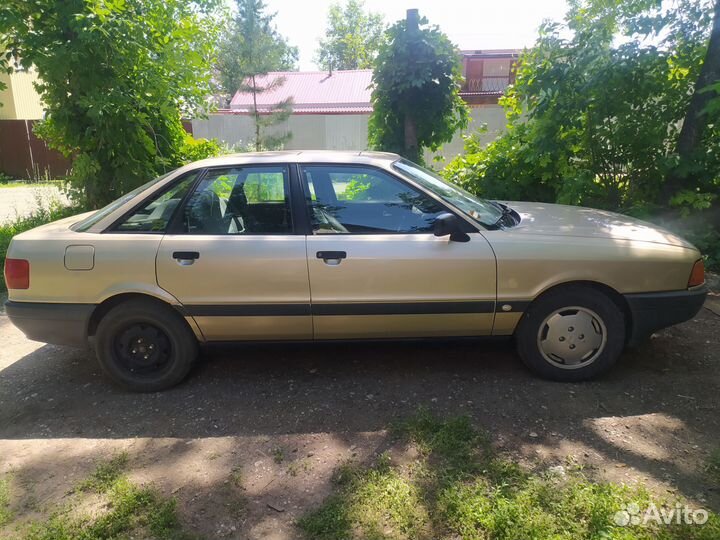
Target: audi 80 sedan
{"type": "Point", "coordinates": [342, 246]}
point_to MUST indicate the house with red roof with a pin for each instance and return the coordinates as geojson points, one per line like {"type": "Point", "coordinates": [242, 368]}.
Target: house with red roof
{"type": "Point", "coordinates": [331, 109]}
{"type": "Point", "coordinates": [312, 92]}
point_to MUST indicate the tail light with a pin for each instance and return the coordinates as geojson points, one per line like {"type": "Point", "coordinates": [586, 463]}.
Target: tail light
{"type": "Point", "coordinates": [17, 273]}
{"type": "Point", "coordinates": [697, 276]}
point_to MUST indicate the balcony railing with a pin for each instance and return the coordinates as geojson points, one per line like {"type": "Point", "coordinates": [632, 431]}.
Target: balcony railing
{"type": "Point", "coordinates": [490, 84]}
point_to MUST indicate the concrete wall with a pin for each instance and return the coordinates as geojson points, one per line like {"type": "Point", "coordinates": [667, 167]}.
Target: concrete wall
{"type": "Point", "coordinates": [493, 116]}
{"type": "Point", "coordinates": [337, 131]}
{"type": "Point", "coordinates": [309, 131]}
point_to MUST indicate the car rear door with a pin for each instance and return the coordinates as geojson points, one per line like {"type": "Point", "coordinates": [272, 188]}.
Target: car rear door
{"type": "Point", "coordinates": [376, 268]}
{"type": "Point", "coordinates": [233, 259]}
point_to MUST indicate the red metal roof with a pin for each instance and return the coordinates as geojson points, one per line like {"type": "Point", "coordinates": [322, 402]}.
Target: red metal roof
{"type": "Point", "coordinates": [313, 92]}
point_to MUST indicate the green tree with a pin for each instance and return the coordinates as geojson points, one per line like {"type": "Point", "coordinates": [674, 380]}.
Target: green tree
{"type": "Point", "coordinates": [252, 49]}
{"type": "Point", "coordinates": [115, 77]}
{"type": "Point", "coordinates": [353, 37]}
{"type": "Point", "coordinates": [416, 100]}
{"type": "Point", "coordinates": [704, 106]}
{"type": "Point", "coordinates": [252, 46]}
{"type": "Point", "coordinates": [596, 114]}
{"type": "Point", "coordinates": [268, 116]}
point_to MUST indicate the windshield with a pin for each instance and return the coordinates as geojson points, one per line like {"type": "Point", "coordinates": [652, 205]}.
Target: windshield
{"type": "Point", "coordinates": [481, 210]}
{"type": "Point", "coordinates": [89, 221]}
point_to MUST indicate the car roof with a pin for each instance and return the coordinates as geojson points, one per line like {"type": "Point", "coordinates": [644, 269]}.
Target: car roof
{"type": "Point", "coordinates": [364, 157]}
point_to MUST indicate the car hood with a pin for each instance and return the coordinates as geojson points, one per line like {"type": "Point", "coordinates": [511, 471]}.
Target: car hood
{"type": "Point", "coordinates": [561, 220]}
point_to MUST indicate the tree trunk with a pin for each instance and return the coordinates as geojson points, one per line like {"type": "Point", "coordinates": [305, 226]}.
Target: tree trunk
{"type": "Point", "coordinates": [694, 123]}
{"type": "Point", "coordinates": [258, 145]}
{"type": "Point", "coordinates": [412, 21]}
{"type": "Point", "coordinates": [411, 142]}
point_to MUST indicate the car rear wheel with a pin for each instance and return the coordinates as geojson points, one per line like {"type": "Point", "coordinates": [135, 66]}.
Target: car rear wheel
{"type": "Point", "coordinates": [571, 334]}
{"type": "Point", "coordinates": [145, 346]}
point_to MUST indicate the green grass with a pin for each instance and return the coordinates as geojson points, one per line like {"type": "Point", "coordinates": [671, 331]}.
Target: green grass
{"type": "Point", "coordinates": [278, 455]}
{"type": "Point", "coordinates": [24, 184]}
{"type": "Point", "coordinates": [105, 475]}
{"type": "Point", "coordinates": [5, 514]}
{"type": "Point", "coordinates": [459, 488]}
{"type": "Point", "coordinates": [131, 511]}
{"type": "Point", "coordinates": [40, 216]}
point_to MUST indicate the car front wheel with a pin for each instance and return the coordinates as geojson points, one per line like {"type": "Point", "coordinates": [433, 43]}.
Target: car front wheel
{"type": "Point", "coordinates": [571, 334]}
{"type": "Point", "coordinates": [145, 346]}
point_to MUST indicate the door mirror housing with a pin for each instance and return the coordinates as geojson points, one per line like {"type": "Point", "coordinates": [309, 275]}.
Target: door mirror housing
{"type": "Point", "coordinates": [449, 224]}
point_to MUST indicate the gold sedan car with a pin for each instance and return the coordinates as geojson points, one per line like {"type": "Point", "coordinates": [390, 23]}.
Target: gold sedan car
{"type": "Point", "coordinates": [342, 246]}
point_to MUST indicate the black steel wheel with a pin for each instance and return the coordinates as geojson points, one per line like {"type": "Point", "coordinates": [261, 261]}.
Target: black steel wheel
{"type": "Point", "coordinates": [145, 346]}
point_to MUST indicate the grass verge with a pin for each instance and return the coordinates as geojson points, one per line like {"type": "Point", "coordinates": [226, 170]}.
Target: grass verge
{"type": "Point", "coordinates": [129, 511]}
{"type": "Point", "coordinates": [458, 488]}
{"type": "Point", "coordinates": [25, 184]}
{"type": "Point", "coordinates": [5, 514]}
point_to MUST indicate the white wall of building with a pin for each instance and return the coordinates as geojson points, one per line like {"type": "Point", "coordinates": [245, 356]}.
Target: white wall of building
{"type": "Point", "coordinates": [492, 116]}
{"type": "Point", "coordinates": [337, 131]}
{"type": "Point", "coordinates": [19, 99]}
{"type": "Point", "coordinates": [309, 131]}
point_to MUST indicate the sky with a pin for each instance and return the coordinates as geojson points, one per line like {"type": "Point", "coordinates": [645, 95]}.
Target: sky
{"type": "Point", "coordinates": [470, 24]}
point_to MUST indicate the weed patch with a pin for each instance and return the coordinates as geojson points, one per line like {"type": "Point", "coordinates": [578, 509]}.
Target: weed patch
{"type": "Point", "coordinates": [5, 514]}
{"type": "Point", "coordinates": [105, 475]}
{"type": "Point", "coordinates": [132, 511]}
{"type": "Point", "coordinates": [459, 488]}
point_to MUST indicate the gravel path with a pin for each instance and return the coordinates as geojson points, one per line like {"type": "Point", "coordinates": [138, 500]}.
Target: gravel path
{"type": "Point", "coordinates": [250, 441]}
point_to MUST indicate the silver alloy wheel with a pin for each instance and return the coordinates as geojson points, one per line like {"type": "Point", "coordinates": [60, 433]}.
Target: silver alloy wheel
{"type": "Point", "coordinates": [572, 337]}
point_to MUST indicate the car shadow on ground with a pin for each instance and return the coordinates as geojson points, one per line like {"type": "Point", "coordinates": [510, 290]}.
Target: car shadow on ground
{"type": "Point", "coordinates": [655, 414]}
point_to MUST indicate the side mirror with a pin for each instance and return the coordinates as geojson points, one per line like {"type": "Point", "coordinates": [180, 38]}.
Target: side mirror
{"type": "Point", "coordinates": [448, 224]}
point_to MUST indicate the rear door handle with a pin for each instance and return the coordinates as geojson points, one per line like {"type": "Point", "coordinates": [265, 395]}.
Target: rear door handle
{"type": "Point", "coordinates": [332, 258]}
{"type": "Point", "coordinates": [185, 258]}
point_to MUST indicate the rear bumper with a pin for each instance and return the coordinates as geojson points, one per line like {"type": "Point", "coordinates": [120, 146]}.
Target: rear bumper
{"type": "Point", "coordinates": [654, 311]}
{"type": "Point", "coordinates": [60, 324]}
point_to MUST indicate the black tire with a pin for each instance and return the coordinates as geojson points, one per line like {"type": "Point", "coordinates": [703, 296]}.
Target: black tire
{"type": "Point", "coordinates": [145, 346]}
{"type": "Point", "coordinates": [533, 335]}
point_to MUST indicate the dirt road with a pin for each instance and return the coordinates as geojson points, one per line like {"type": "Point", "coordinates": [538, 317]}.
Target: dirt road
{"type": "Point", "coordinates": [250, 441]}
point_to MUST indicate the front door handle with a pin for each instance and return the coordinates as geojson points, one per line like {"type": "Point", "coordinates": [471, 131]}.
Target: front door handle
{"type": "Point", "coordinates": [332, 258]}
{"type": "Point", "coordinates": [186, 258]}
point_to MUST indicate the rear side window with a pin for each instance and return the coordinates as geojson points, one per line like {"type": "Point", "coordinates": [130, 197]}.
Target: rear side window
{"type": "Point", "coordinates": [240, 201]}
{"type": "Point", "coordinates": [155, 215]}
{"type": "Point", "coordinates": [89, 221]}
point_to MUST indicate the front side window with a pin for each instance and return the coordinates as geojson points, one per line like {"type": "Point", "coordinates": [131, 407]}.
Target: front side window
{"type": "Point", "coordinates": [240, 201]}
{"type": "Point", "coordinates": [155, 215]}
{"type": "Point", "coordinates": [481, 210]}
{"type": "Point", "coordinates": [363, 200]}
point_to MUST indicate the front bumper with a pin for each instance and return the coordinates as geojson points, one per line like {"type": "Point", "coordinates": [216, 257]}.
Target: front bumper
{"type": "Point", "coordinates": [60, 324]}
{"type": "Point", "coordinates": [654, 311]}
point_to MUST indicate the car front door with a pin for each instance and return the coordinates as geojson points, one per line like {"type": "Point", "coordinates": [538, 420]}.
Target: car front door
{"type": "Point", "coordinates": [376, 268]}
{"type": "Point", "coordinates": [233, 260]}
